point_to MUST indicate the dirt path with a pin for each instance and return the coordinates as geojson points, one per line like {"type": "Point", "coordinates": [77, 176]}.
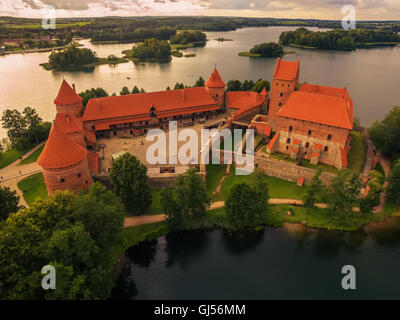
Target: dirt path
{"type": "Point", "coordinates": [14, 173]}
{"type": "Point", "coordinates": [386, 165]}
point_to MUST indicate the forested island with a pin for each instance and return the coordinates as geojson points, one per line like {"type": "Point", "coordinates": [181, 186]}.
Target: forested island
{"type": "Point", "coordinates": [265, 50]}
{"type": "Point", "coordinates": [187, 39]}
{"type": "Point", "coordinates": [339, 39]}
{"type": "Point", "coordinates": [151, 50]}
{"type": "Point", "coordinates": [77, 59]}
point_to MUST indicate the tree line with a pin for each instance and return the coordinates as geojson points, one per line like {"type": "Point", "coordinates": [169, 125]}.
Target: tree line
{"type": "Point", "coordinates": [71, 57]}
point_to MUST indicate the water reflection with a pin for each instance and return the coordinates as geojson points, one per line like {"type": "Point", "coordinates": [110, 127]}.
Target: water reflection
{"type": "Point", "coordinates": [239, 243]}
{"type": "Point", "coordinates": [142, 254]}
{"type": "Point", "coordinates": [125, 286]}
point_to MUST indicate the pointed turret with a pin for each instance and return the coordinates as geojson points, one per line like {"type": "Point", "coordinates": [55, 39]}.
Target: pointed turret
{"type": "Point", "coordinates": [215, 87]}
{"type": "Point", "coordinates": [68, 101]}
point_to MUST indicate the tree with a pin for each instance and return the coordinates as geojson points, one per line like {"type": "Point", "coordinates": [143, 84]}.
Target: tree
{"type": "Point", "coordinates": [199, 83]}
{"type": "Point", "coordinates": [179, 86]}
{"type": "Point", "coordinates": [14, 123]}
{"type": "Point", "coordinates": [188, 199]}
{"type": "Point", "coordinates": [125, 91]}
{"type": "Point", "coordinates": [258, 182]}
{"type": "Point", "coordinates": [152, 49]}
{"type": "Point", "coordinates": [314, 190]}
{"type": "Point", "coordinates": [129, 178]}
{"type": "Point", "coordinates": [386, 133]}
{"type": "Point", "coordinates": [9, 203]}
{"type": "Point", "coordinates": [135, 90]}
{"type": "Point", "coordinates": [247, 85]}
{"type": "Point", "coordinates": [92, 93]}
{"type": "Point", "coordinates": [168, 88]}
{"type": "Point", "coordinates": [375, 187]}
{"type": "Point", "coordinates": [73, 233]}
{"type": "Point", "coordinates": [260, 85]}
{"type": "Point", "coordinates": [394, 183]}
{"type": "Point", "coordinates": [270, 49]}
{"type": "Point", "coordinates": [31, 118]}
{"type": "Point", "coordinates": [344, 192]}
{"type": "Point", "coordinates": [233, 85]}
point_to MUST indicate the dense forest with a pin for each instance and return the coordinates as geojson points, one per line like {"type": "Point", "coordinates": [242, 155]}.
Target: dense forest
{"type": "Point", "coordinates": [270, 49]}
{"type": "Point", "coordinates": [141, 28]}
{"type": "Point", "coordinates": [152, 50]}
{"type": "Point", "coordinates": [338, 39]}
{"type": "Point", "coordinates": [196, 38]}
{"type": "Point", "coordinates": [71, 57]}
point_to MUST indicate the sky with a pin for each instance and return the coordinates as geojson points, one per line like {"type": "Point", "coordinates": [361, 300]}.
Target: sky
{"type": "Point", "coordinates": [305, 9]}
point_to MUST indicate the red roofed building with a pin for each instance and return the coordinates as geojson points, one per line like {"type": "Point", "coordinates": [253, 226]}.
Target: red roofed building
{"type": "Point", "coordinates": [64, 163]}
{"type": "Point", "coordinates": [215, 87]}
{"type": "Point", "coordinates": [68, 101]}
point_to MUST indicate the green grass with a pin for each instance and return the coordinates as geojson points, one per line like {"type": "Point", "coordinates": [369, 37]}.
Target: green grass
{"type": "Point", "coordinates": [356, 156]}
{"type": "Point", "coordinates": [302, 47]}
{"type": "Point", "coordinates": [215, 172]}
{"type": "Point", "coordinates": [156, 207]}
{"type": "Point", "coordinates": [248, 54]}
{"type": "Point", "coordinates": [8, 157]}
{"type": "Point", "coordinates": [278, 188]}
{"type": "Point", "coordinates": [177, 54]}
{"type": "Point", "coordinates": [33, 157]}
{"type": "Point", "coordinates": [34, 188]}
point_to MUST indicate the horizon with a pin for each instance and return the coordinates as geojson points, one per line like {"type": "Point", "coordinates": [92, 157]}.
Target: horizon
{"type": "Point", "coordinates": [331, 10]}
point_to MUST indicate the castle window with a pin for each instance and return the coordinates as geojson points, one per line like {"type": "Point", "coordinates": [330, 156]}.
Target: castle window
{"type": "Point", "coordinates": [281, 94]}
{"type": "Point", "coordinates": [287, 147]}
{"type": "Point", "coordinates": [288, 140]}
{"type": "Point", "coordinates": [307, 144]}
{"type": "Point", "coordinates": [79, 175]}
{"type": "Point", "coordinates": [277, 83]}
{"type": "Point", "coordinates": [290, 129]}
{"type": "Point", "coordinates": [329, 136]}
{"type": "Point", "coordinates": [326, 148]}
{"type": "Point", "coordinates": [87, 182]}
{"type": "Point", "coordinates": [283, 84]}
{"type": "Point", "coordinates": [62, 180]}
{"type": "Point", "coordinates": [92, 127]}
{"type": "Point", "coordinates": [280, 103]}
{"type": "Point", "coordinates": [288, 85]}
{"type": "Point", "coordinates": [115, 133]}
{"type": "Point", "coordinates": [309, 132]}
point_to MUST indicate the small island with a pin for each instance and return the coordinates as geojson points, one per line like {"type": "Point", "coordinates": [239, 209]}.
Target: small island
{"type": "Point", "coordinates": [188, 39]}
{"type": "Point", "coordinates": [221, 39]}
{"type": "Point", "coordinates": [265, 50]}
{"type": "Point", "coordinates": [151, 50]}
{"type": "Point", "coordinates": [77, 59]}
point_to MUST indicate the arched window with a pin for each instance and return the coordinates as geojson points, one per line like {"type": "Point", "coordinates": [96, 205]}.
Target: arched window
{"type": "Point", "coordinates": [62, 180]}
{"type": "Point", "coordinates": [307, 144]}
{"type": "Point", "coordinates": [309, 132]}
{"type": "Point", "coordinates": [79, 175]}
{"type": "Point", "coordinates": [326, 148]}
{"type": "Point", "coordinates": [281, 94]}
{"type": "Point", "coordinates": [290, 129]}
{"type": "Point", "coordinates": [288, 140]}
{"type": "Point", "coordinates": [329, 136]}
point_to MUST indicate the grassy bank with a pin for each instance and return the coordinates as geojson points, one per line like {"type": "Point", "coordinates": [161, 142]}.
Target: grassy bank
{"type": "Point", "coordinates": [356, 156]}
{"type": "Point", "coordinates": [128, 55]}
{"type": "Point", "coordinates": [33, 157]}
{"type": "Point", "coordinates": [8, 157]}
{"type": "Point", "coordinates": [257, 55]}
{"type": "Point", "coordinates": [34, 188]}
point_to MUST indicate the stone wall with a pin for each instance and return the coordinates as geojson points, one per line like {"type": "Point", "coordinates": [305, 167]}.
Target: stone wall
{"type": "Point", "coordinates": [289, 171]}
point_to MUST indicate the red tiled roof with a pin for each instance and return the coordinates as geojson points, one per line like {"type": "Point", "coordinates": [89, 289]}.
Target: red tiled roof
{"type": "Point", "coordinates": [60, 151]}
{"type": "Point", "coordinates": [67, 95]}
{"type": "Point", "coordinates": [318, 108]}
{"type": "Point", "coordinates": [343, 156]}
{"type": "Point", "coordinates": [90, 136]}
{"type": "Point", "coordinates": [166, 103]}
{"type": "Point", "coordinates": [317, 146]}
{"type": "Point", "coordinates": [93, 161]}
{"type": "Point", "coordinates": [264, 92]}
{"type": "Point", "coordinates": [243, 100]}
{"type": "Point", "coordinates": [300, 181]}
{"type": "Point", "coordinates": [215, 80]}
{"type": "Point", "coordinates": [68, 123]}
{"type": "Point", "coordinates": [286, 70]}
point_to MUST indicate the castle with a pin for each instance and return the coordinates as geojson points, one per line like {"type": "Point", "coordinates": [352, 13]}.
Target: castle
{"type": "Point", "coordinates": [311, 122]}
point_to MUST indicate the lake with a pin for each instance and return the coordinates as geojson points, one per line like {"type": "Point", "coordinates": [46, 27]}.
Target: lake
{"type": "Point", "coordinates": [372, 76]}
{"type": "Point", "coordinates": [276, 263]}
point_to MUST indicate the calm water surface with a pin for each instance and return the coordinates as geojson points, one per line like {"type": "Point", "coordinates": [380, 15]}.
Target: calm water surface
{"type": "Point", "coordinates": [372, 76]}
{"type": "Point", "coordinates": [272, 264]}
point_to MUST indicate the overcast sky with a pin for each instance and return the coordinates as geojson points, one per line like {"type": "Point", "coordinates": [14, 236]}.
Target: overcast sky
{"type": "Point", "coordinates": [316, 9]}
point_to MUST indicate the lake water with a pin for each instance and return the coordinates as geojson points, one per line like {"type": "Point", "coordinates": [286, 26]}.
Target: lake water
{"type": "Point", "coordinates": [272, 264]}
{"type": "Point", "coordinates": [372, 76]}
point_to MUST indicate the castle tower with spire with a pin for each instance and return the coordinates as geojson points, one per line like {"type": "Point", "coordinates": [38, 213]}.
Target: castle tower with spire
{"type": "Point", "coordinates": [68, 101]}
{"type": "Point", "coordinates": [215, 86]}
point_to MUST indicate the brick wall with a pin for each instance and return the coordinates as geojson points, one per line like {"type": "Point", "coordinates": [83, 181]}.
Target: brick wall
{"type": "Point", "coordinates": [72, 109]}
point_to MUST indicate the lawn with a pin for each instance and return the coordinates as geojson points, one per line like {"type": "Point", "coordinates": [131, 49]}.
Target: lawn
{"type": "Point", "coordinates": [278, 188]}
{"type": "Point", "coordinates": [8, 157]}
{"type": "Point", "coordinates": [356, 156]}
{"type": "Point", "coordinates": [155, 207]}
{"type": "Point", "coordinates": [34, 188]}
{"type": "Point", "coordinates": [215, 172]}
{"type": "Point", "coordinates": [33, 157]}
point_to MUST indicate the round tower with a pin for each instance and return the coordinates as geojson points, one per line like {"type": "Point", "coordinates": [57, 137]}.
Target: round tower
{"type": "Point", "coordinates": [64, 163]}
{"type": "Point", "coordinates": [68, 101]}
{"type": "Point", "coordinates": [215, 86]}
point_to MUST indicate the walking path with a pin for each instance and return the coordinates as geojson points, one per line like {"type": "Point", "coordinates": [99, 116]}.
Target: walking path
{"type": "Point", "coordinates": [14, 173]}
